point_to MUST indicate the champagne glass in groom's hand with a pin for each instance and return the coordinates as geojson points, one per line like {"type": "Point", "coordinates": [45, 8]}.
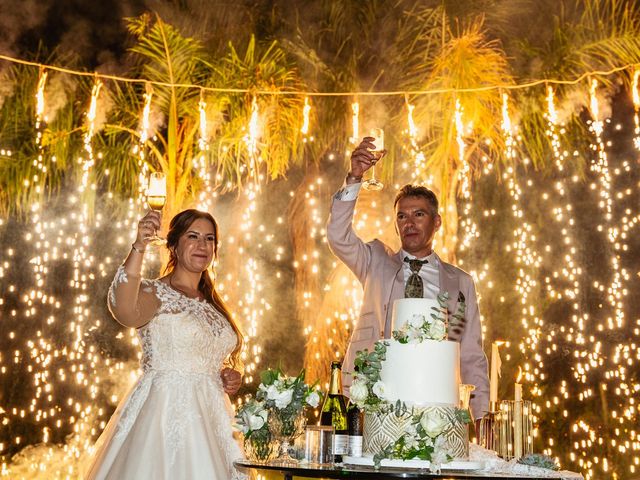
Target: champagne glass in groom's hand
{"type": "Point", "coordinates": [373, 184]}
{"type": "Point", "coordinates": [363, 158]}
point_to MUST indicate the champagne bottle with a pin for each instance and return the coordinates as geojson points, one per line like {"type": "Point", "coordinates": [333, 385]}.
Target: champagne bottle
{"type": "Point", "coordinates": [334, 412]}
{"type": "Point", "coordinates": [355, 420]}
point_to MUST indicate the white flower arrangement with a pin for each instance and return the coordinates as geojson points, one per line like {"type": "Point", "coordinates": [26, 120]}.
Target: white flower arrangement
{"type": "Point", "coordinates": [251, 420]}
{"type": "Point", "coordinates": [284, 395]}
{"type": "Point", "coordinates": [433, 326]}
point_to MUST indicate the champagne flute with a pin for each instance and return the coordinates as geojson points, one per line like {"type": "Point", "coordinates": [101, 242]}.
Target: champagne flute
{"type": "Point", "coordinates": [156, 198]}
{"type": "Point", "coordinates": [373, 184]}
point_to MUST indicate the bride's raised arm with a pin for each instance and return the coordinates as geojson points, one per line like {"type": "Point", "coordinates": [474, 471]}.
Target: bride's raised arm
{"type": "Point", "coordinates": [129, 305]}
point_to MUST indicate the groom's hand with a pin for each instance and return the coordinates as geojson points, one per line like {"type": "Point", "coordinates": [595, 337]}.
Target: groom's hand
{"type": "Point", "coordinates": [231, 380]}
{"type": "Point", "coordinates": [362, 159]}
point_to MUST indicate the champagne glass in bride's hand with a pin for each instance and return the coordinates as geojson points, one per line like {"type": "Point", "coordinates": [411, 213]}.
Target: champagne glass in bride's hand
{"type": "Point", "coordinates": [156, 198]}
{"type": "Point", "coordinates": [373, 184]}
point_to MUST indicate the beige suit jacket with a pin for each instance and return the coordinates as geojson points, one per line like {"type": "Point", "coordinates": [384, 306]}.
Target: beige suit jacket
{"type": "Point", "coordinates": [379, 270]}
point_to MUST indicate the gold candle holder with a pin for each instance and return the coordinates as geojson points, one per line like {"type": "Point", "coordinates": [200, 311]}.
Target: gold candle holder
{"type": "Point", "coordinates": [487, 434]}
{"type": "Point", "coordinates": [514, 429]}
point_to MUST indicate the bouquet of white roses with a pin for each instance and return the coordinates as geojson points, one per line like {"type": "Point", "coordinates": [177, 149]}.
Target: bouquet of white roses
{"type": "Point", "coordinates": [286, 396]}
{"type": "Point", "coordinates": [251, 420]}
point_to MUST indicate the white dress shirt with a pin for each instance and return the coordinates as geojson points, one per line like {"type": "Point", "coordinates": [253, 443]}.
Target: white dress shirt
{"type": "Point", "coordinates": [348, 193]}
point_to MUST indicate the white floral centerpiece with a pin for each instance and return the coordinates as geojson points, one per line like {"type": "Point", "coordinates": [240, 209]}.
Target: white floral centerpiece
{"type": "Point", "coordinates": [285, 399]}
{"type": "Point", "coordinates": [284, 395]}
{"type": "Point", "coordinates": [280, 400]}
{"type": "Point", "coordinates": [425, 435]}
{"type": "Point", "coordinates": [251, 420]}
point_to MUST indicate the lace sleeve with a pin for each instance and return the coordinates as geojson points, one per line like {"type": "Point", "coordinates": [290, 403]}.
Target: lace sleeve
{"type": "Point", "coordinates": [131, 300]}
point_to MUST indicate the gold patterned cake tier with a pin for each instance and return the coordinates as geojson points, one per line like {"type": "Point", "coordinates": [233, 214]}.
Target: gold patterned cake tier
{"type": "Point", "coordinates": [383, 429]}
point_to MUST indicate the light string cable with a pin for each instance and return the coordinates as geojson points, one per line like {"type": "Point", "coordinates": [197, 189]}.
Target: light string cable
{"type": "Point", "coordinates": [530, 84]}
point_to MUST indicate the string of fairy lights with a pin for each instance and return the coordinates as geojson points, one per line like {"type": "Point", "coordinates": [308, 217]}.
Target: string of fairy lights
{"type": "Point", "coordinates": [68, 237]}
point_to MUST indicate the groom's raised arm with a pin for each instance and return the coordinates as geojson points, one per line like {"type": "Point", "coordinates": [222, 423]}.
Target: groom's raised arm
{"type": "Point", "coordinates": [343, 240]}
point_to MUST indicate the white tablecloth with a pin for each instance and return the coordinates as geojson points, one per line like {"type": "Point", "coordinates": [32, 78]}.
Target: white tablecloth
{"type": "Point", "coordinates": [493, 463]}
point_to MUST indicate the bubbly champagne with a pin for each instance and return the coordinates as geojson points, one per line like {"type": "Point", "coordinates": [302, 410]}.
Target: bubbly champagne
{"type": "Point", "coordinates": [156, 202]}
{"type": "Point", "coordinates": [378, 141]}
{"type": "Point", "coordinates": [372, 183]}
{"type": "Point", "coordinates": [334, 412]}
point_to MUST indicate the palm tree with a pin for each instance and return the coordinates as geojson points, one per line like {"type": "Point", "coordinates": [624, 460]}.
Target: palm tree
{"type": "Point", "coordinates": [166, 59]}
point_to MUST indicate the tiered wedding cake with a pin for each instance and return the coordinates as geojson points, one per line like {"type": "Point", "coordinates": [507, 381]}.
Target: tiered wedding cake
{"type": "Point", "coordinates": [409, 388]}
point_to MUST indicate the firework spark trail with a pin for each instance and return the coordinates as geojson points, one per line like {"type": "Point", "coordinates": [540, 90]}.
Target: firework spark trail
{"type": "Point", "coordinates": [467, 225]}
{"type": "Point", "coordinates": [600, 166]}
{"type": "Point", "coordinates": [419, 167]}
{"type": "Point", "coordinates": [527, 258]}
{"type": "Point", "coordinates": [635, 95]}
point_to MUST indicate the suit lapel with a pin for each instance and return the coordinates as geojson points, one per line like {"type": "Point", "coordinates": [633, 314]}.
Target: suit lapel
{"type": "Point", "coordinates": [393, 276]}
{"type": "Point", "coordinates": [449, 282]}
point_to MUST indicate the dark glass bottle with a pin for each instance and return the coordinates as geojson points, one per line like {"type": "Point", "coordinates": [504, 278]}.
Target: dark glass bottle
{"type": "Point", "coordinates": [355, 420]}
{"type": "Point", "coordinates": [334, 412]}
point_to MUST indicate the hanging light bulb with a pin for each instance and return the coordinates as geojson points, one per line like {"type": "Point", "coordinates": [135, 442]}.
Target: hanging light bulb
{"type": "Point", "coordinates": [355, 120]}
{"type": "Point", "coordinates": [305, 117]}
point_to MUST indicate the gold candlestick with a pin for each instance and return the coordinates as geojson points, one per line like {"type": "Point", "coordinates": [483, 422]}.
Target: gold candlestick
{"type": "Point", "coordinates": [487, 435]}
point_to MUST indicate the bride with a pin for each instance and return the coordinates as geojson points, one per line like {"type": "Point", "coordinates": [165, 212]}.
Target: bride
{"type": "Point", "coordinates": [176, 421]}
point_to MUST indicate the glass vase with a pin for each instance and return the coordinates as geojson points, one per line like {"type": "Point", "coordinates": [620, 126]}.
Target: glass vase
{"type": "Point", "coordinates": [285, 429]}
{"type": "Point", "coordinates": [260, 450]}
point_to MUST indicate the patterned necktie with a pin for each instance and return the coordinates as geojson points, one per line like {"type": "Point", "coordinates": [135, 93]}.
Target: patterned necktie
{"type": "Point", "coordinates": [414, 288]}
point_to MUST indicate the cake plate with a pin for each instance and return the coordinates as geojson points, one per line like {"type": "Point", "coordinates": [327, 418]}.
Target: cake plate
{"type": "Point", "coordinates": [454, 465]}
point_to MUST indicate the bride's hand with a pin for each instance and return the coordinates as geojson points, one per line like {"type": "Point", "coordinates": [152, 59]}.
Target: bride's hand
{"type": "Point", "coordinates": [147, 227]}
{"type": "Point", "coordinates": [231, 380]}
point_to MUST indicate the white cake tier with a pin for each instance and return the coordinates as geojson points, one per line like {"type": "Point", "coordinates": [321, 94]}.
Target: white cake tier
{"type": "Point", "coordinates": [422, 374]}
{"type": "Point", "coordinates": [405, 308]}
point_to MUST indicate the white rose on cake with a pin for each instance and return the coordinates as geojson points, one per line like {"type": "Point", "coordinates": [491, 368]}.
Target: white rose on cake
{"type": "Point", "coordinates": [379, 389]}
{"type": "Point", "coordinates": [433, 425]}
{"type": "Point", "coordinates": [358, 391]}
{"type": "Point", "coordinates": [416, 320]}
{"type": "Point", "coordinates": [438, 330]}
{"type": "Point", "coordinates": [414, 336]}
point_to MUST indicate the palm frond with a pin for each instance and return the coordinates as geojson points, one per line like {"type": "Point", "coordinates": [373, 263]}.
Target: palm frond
{"type": "Point", "coordinates": [259, 67]}
{"type": "Point", "coordinates": [30, 173]}
{"type": "Point", "coordinates": [466, 61]}
{"type": "Point", "coordinates": [167, 56]}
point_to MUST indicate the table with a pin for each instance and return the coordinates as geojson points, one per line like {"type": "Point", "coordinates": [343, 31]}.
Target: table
{"type": "Point", "coordinates": [368, 473]}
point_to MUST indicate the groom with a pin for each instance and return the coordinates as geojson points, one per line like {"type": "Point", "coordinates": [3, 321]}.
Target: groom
{"type": "Point", "coordinates": [387, 275]}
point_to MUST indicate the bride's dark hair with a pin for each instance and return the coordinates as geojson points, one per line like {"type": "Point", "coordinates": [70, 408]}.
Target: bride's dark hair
{"type": "Point", "coordinates": [178, 226]}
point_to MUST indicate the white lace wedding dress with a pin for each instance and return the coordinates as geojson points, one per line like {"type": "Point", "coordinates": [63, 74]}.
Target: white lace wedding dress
{"type": "Point", "coordinates": [176, 422]}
